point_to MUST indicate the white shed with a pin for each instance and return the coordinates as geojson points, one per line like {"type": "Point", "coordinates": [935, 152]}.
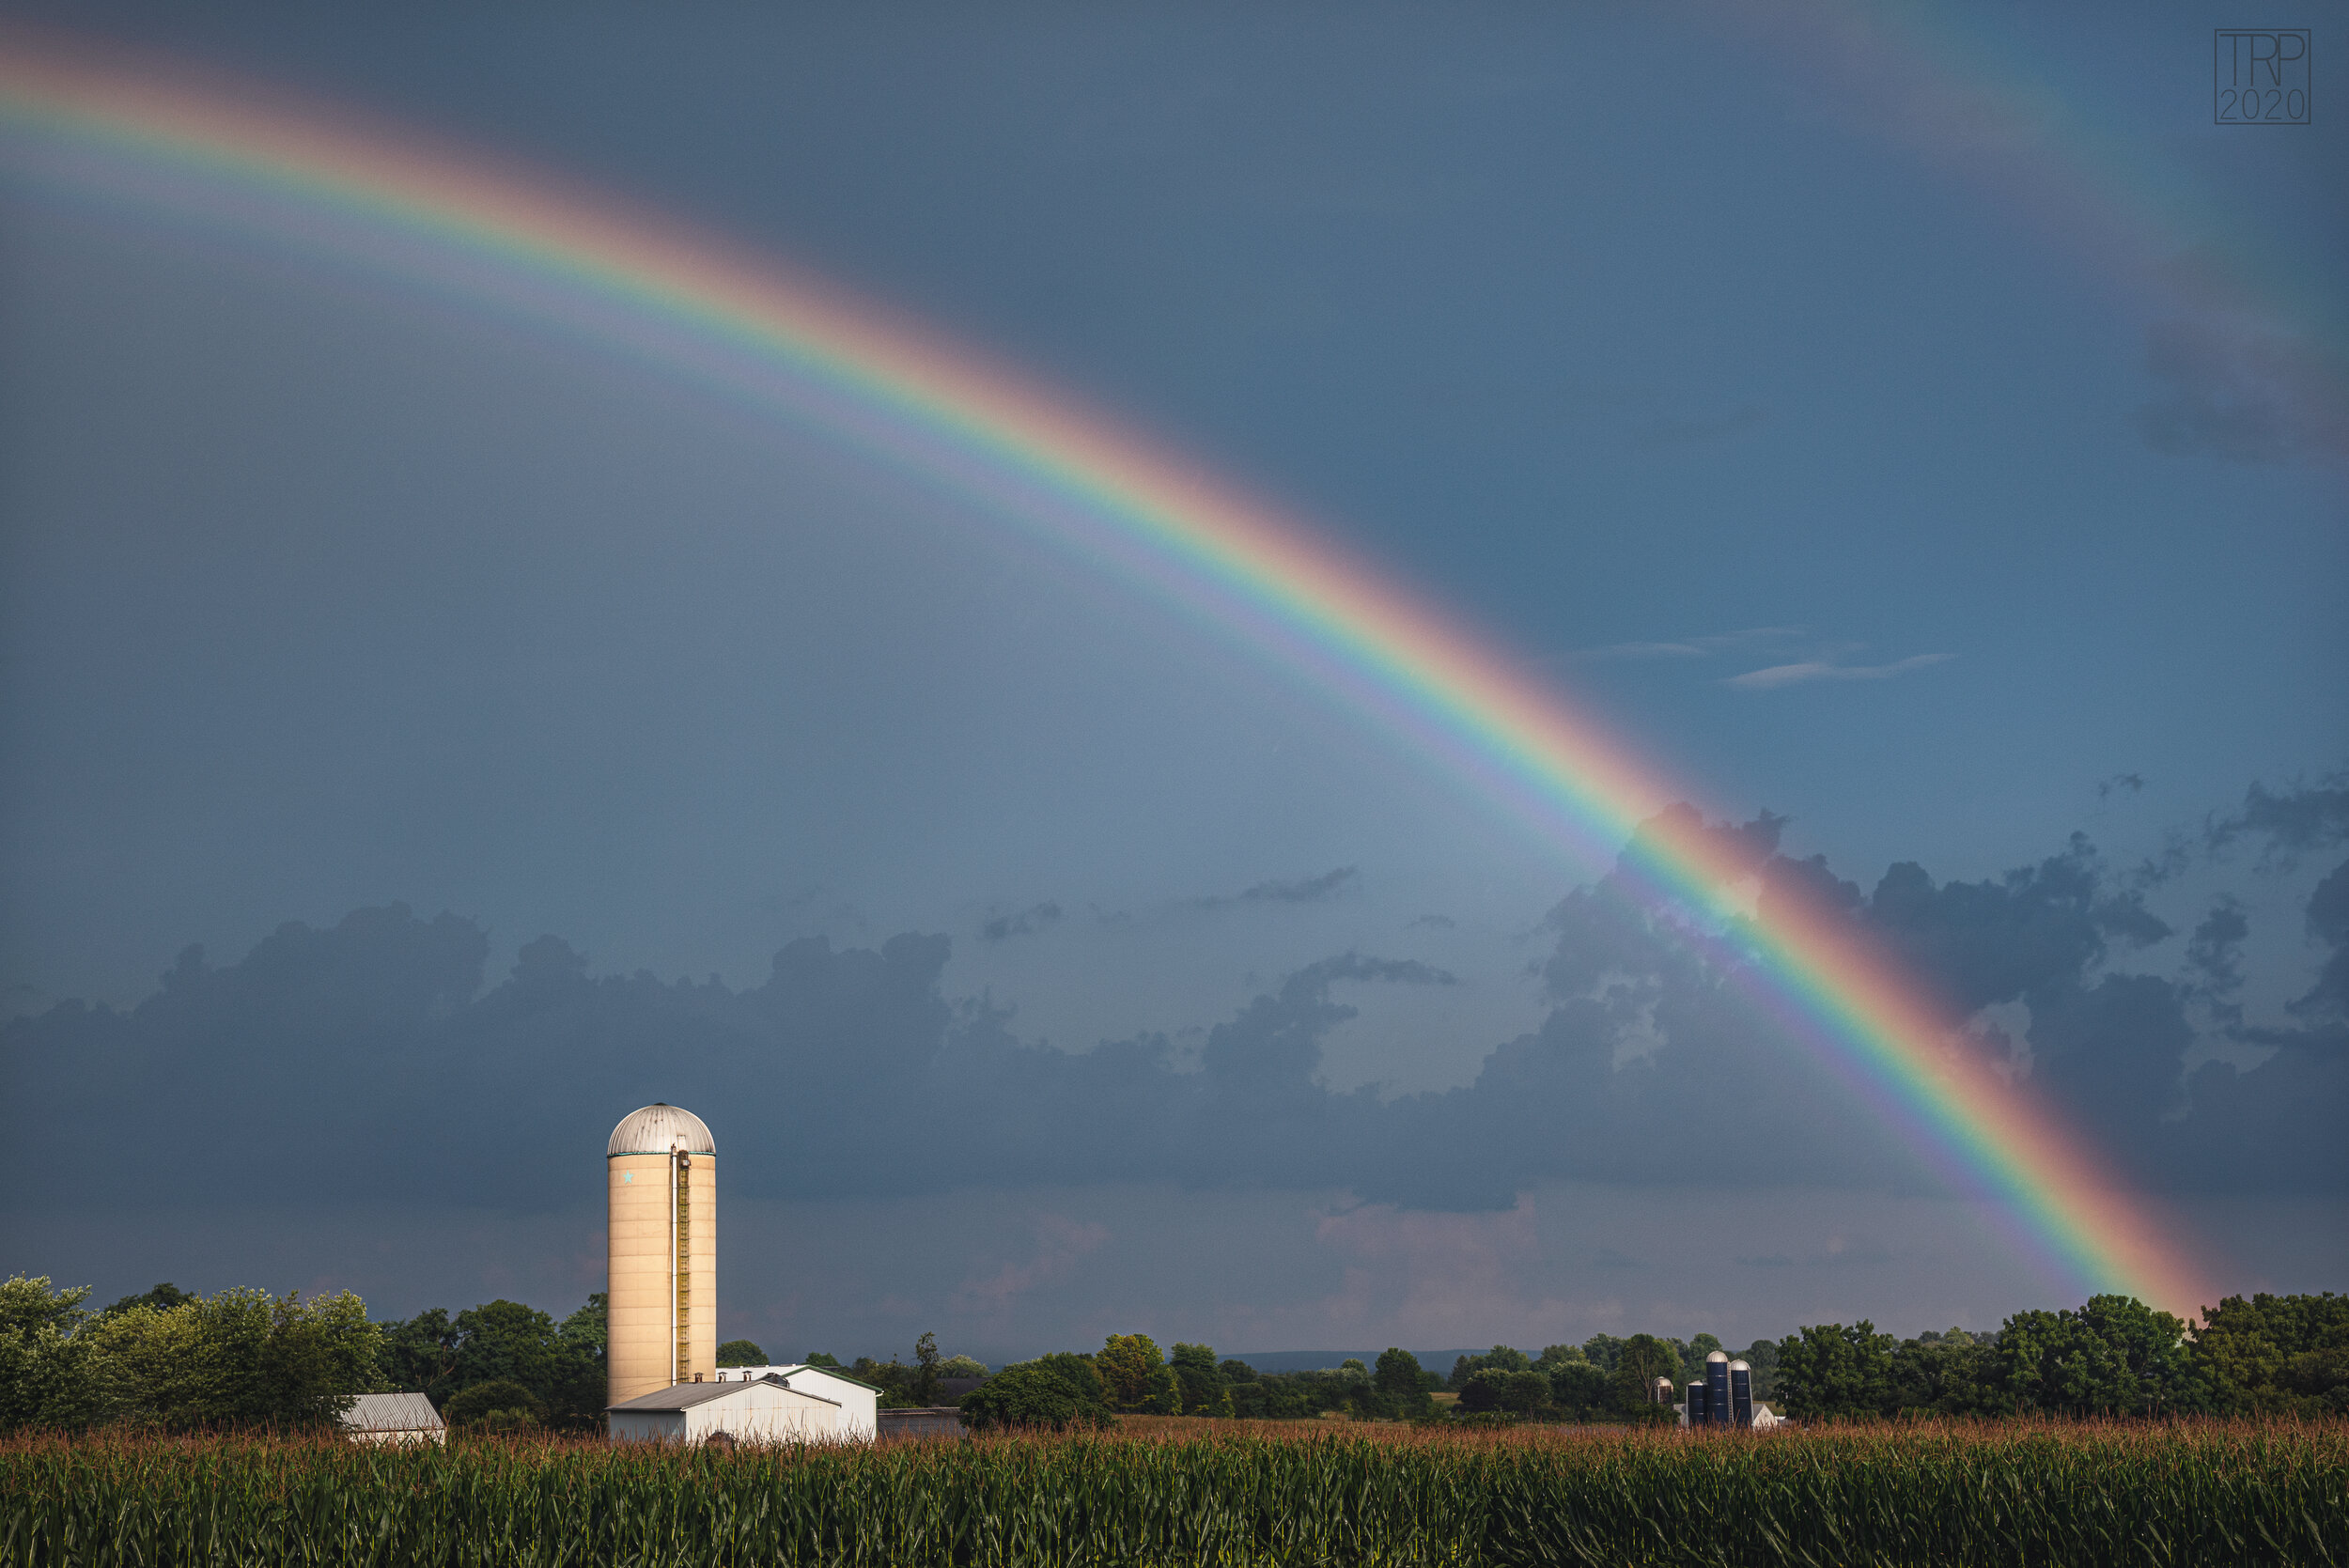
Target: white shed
{"type": "Point", "coordinates": [759, 1410]}
{"type": "Point", "coordinates": [391, 1418]}
{"type": "Point", "coordinates": [859, 1401]}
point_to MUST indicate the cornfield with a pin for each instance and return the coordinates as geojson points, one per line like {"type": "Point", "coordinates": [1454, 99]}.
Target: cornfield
{"type": "Point", "coordinates": [2215, 1493]}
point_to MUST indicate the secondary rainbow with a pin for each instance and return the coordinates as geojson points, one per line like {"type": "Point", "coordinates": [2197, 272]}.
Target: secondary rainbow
{"type": "Point", "coordinates": [368, 194]}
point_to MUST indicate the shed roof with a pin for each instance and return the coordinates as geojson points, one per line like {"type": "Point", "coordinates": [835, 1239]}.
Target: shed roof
{"type": "Point", "coordinates": [390, 1413]}
{"type": "Point", "coordinates": [684, 1396]}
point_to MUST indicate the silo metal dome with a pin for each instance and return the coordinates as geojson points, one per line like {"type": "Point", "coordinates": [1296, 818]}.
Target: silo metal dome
{"type": "Point", "coordinates": [659, 1129]}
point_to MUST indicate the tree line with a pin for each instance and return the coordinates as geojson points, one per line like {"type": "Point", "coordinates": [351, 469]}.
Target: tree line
{"type": "Point", "coordinates": [2113, 1356]}
{"type": "Point", "coordinates": [244, 1357]}
{"type": "Point", "coordinates": [1606, 1378]}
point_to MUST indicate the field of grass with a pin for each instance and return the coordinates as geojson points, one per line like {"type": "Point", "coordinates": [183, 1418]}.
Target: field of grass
{"type": "Point", "coordinates": [2209, 1492]}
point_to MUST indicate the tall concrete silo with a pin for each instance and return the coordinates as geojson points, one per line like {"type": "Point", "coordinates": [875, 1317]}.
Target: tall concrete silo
{"type": "Point", "coordinates": [660, 1182]}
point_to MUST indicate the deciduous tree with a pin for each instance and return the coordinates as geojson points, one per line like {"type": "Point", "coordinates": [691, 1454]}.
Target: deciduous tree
{"type": "Point", "coordinates": [1135, 1376]}
{"type": "Point", "coordinates": [1829, 1371]}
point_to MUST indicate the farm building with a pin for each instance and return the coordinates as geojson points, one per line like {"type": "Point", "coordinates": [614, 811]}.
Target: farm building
{"type": "Point", "coordinates": [757, 1411]}
{"type": "Point", "coordinates": [660, 1191]}
{"type": "Point", "coordinates": [391, 1418]}
{"type": "Point", "coordinates": [859, 1403]}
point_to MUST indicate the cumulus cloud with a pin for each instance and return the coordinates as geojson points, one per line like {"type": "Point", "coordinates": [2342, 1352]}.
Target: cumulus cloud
{"type": "Point", "coordinates": [334, 1064]}
{"type": "Point", "coordinates": [1775, 676]}
{"type": "Point", "coordinates": [2286, 823]}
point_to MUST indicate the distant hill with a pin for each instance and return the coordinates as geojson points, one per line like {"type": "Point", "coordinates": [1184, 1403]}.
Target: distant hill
{"type": "Point", "coordinates": [1316, 1360]}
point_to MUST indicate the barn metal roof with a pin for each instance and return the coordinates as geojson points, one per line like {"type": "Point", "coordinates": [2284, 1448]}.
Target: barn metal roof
{"type": "Point", "coordinates": [788, 1370]}
{"type": "Point", "coordinates": [659, 1129]}
{"type": "Point", "coordinates": [390, 1413]}
{"type": "Point", "coordinates": [684, 1396]}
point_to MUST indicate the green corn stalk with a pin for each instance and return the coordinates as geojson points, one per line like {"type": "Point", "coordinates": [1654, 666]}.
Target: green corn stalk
{"type": "Point", "coordinates": [1994, 1495]}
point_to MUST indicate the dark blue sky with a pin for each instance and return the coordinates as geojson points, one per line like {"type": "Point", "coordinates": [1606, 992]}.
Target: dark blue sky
{"type": "Point", "coordinates": [1666, 351]}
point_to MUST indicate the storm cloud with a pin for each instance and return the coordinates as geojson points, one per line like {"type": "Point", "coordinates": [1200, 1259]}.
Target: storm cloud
{"type": "Point", "coordinates": [323, 1059]}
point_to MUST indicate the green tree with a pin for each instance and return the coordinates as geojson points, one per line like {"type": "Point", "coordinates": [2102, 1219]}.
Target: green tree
{"type": "Point", "coordinates": [893, 1378]}
{"type": "Point", "coordinates": [1136, 1378]}
{"type": "Point", "coordinates": [2113, 1356]}
{"type": "Point", "coordinates": [821, 1359]}
{"type": "Point", "coordinates": [163, 1298]}
{"type": "Point", "coordinates": [1518, 1392]}
{"type": "Point", "coordinates": [589, 1326]}
{"type": "Point", "coordinates": [1204, 1391]}
{"type": "Point", "coordinates": [1761, 1358]}
{"type": "Point", "coordinates": [582, 1383]}
{"type": "Point", "coordinates": [1398, 1372]}
{"type": "Point", "coordinates": [1501, 1357]}
{"type": "Point", "coordinates": [47, 1379]}
{"type": "Point", "coordinates": [1582, 1389]}
{"type": "Point", "coordinates": [439, 1356]}
{"type": "Point", "coordinates": [1401, 1384]}
{"type": "Point", "coordinates": [962, 1366]}
{"type": "Point", "coordinates": [1831, 1372]}
{"type": "Point", "coordinates": [1639, 1362]}
{"type": "Point", "coordinates": [419, 1355]}
{"type": "Point", "coordinates": [922, 1387]}
{"type": "Point", "coordinates": [500, 1404]}
{"type": "Point", "coordinates": [1602, 1350]}
{"type": "Point", "coordinates": [1236, 1371]}
{"type": "Point", "coordinates": [505, 1340]}
{"type": "Point", "coordinates": [742, 1353]}
{"type": "Point", "coordinates": [238, 1358]}
{"type": "Point", "coordinates": [2280, 1354]}
{"type": "Point", "coordinates": [1556, 1356]}
{"type": "Point", "coordinates": [1692, 1356]}
{"type": "Point", "coordinates": [1939, 1374]}
{"type": "Point", "coordinates": [1046, 1394]}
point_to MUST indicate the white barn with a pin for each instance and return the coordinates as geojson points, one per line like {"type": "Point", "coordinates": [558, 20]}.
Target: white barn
{"type": "Point", "coordinates": [758, 1410]}
{"type": "Point", "coordinates": [391, 1418]}
{"type": "Point", "coordinates": [859, 1403]}
{"type": "Point", "coordinates": [1762, 1418]}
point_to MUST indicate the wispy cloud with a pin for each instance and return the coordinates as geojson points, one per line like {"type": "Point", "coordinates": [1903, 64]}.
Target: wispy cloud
{"type": "Point", "coordinates": [1305, 890]}
{"type": "Point", "coordinates": [1024, 923]}
{"type": "Point", "coordinates": [1690, 647]}
{"type": "Point", "coordinates": [1302, 890]}
{"type": "Point", "coordinates": [1775, 675]}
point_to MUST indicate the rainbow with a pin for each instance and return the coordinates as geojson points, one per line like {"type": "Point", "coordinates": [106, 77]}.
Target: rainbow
{"type": "Point", "coordinates": [322, 180]}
